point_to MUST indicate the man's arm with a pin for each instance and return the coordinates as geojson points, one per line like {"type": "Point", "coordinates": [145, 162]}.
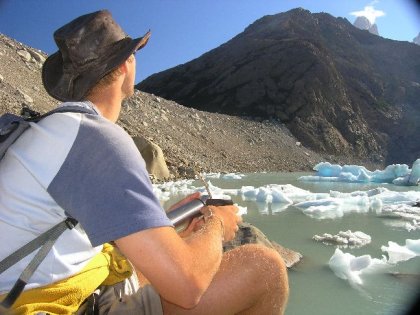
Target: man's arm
{"type": "Point", "coordinates": [181, 269]}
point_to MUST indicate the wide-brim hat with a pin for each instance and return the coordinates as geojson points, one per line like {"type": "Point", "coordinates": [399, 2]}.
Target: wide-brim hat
{"type": "Point", "coordinates": [90, 47]}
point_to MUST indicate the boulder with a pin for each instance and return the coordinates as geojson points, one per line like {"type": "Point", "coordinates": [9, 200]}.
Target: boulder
{"type": "Point", "coordinates": [153, 156]}
{"type": "Point", "coordinates": [249, 234]}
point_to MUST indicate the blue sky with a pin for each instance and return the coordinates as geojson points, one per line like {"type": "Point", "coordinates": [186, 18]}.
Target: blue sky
{"type": "Point", "coordinates": [185, 29]}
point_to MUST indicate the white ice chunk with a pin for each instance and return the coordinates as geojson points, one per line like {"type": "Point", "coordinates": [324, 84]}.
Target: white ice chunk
{"type": "Point", "coordinates": [399, 174]}
{"type": "Point", "coordinates": [376, 205]}
{"type": "Point", "coordinates": [242, 210]}
{"type": "Point", "coordinates": [248, 192]}
{"type": "Point", "coordinates": [232, 176]}
{"type": "Point", "coordinates": [397, 253]}
{"type": "Point", "coordinates": [263, 195]}
{"type": "Point", "coordinates": [278, 196]}
{"type": "Point", "coordinates": [322, 209]}
{"type": "Point", "coordinates": [278, 207]}
{"type": "Point", "coordinates": [326, 169]}
{"type": "Point", "coordinates": [414, 178]}
{"type": "Point", "coordinates": [212, 175]}
{"type": "Point", "coordinates": [345, 238]}
{"type": "Point", "coordinates": [351, 268]}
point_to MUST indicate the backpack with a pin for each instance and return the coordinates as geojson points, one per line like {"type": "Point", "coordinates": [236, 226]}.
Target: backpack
{"type": "Point", "coordinates": [11, 128]}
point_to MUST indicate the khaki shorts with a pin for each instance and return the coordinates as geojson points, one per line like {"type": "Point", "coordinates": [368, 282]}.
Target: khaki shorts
{"type": "Point", "coordinates": [127, 298]}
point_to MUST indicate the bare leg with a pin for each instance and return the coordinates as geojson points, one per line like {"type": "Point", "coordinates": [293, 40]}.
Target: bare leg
{"type": "Point", "coordinates": [252, 279]}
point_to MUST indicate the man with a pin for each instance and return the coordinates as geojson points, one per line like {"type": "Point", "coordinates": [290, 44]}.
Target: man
{"type": "Point", "coordinates": [86, 167]}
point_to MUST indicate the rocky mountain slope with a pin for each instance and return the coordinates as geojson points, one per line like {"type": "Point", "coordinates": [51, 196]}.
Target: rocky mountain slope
{"type": "Point", "coordinates": [338, 89]}
{"type": "Point", "coordinates": [191, 140]}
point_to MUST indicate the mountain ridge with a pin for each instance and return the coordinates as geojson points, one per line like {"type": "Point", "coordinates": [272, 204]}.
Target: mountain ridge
{"type": "Point", "coordinates": [337, 88]}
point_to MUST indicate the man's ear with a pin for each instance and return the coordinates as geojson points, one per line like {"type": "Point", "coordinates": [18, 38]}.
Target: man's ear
{"type": "Point", "coordinates": [124, 66]}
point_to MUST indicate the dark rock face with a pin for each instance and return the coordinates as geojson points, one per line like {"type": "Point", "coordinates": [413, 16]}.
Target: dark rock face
{"type": "Point", "coordinates": [364, 24]}
{"type": "Point", "coordinates": [340, 90]}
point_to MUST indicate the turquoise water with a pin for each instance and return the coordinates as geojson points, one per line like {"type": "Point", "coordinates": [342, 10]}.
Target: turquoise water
{"type": "Point", "coordinates": [314, 288]}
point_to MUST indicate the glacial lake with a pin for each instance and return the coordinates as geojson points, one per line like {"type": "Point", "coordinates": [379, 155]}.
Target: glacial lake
{"type": "Point", "coordinates": [314, 288]}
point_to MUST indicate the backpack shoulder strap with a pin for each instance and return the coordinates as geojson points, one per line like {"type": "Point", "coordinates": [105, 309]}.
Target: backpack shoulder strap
{"type": "Point", "coordinates": [12, 126]}
{"type": "Point", "coordinates": [63, 109]}
{"type": "Point", "coordinates": [45, 242]}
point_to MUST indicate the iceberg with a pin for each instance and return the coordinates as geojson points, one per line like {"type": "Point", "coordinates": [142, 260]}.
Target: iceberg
{"type": "Point", "coordinates": [232, 176]}
{"type": "Point", "coordinates": [351, 268]}
{"type": "Point", "coordinates": [344, 239]}
{"type": "Point", "coordinates": [398, 174]}
{"type": "Point", "coordinates": [398, 253]}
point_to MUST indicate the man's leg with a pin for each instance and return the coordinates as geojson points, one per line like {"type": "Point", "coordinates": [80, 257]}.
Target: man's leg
{"type": "Point", "coordinates": [252, 279]}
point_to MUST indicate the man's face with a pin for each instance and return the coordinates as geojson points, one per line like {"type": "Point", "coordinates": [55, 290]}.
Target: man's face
{"type": "Point", "coordinates": [128, 84]}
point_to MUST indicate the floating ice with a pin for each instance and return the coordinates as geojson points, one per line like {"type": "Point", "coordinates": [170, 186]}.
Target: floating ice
{"type": "Point", "coordinates": [226, 176]}
{"type": "Point", "coordinates": [330, 205]}
{"type": "Point", "coordinates": [232, 176]}
{"type": "Point", "coordinates": [381, 200]}
{"type": "Point", "coordinates": [331, 208]}
{"type": "Point", "coordinates": [211, 175]}
{"type": "Point", "coordinates": [242, 210]}
{"type": "Point", "coordinates": [399, 174]}
{"type": "Point", "coordinates": [397, 253]}
{"type": "Point", "coordinates": [345, 239]}
{"type": "Point", "coordinates": [165, 190]}
{"type": "Point", "coordinates": [351, 268]}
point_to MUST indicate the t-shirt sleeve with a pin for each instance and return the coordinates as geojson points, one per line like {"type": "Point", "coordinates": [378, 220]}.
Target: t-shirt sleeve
{"type": "Point", "coordinates": [103, 183]}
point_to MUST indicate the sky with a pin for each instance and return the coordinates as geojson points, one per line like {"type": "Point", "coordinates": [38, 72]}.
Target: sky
{"type": "Point", "coordinates": [183, 30]}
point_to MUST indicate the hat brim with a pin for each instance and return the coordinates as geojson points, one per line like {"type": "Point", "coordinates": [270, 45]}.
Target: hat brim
{"type": "Point", "coordinates": [70, 87]}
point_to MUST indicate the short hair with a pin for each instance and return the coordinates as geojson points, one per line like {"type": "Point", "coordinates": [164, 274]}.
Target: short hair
{"type": "Point", "coordinates": [107, 79]}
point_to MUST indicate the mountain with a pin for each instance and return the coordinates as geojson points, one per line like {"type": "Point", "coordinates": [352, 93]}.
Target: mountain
{"type": "Point", "coordinates": [363, 23]}
{"type": "Point", "coordinates": [416, 40]}
{"type": "Point", "coordinates": [338, 89]}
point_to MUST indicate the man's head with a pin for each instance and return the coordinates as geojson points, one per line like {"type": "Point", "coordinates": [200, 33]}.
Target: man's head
{"type": "Point", "coordinates": [90, 48]}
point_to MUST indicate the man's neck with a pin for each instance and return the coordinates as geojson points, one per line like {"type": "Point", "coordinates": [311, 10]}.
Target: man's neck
{"type": "Point", "coordinates": [108, 102]}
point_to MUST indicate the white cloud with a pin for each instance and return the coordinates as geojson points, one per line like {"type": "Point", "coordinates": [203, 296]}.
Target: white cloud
{"type": "Point", "coordinates": [369, 12]}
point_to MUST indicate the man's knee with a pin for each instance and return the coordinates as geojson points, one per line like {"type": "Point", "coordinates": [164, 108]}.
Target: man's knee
{"type": "Point", "coordinates": [268, 272]}
{"type": "Point", "coordinates": [266, 262]}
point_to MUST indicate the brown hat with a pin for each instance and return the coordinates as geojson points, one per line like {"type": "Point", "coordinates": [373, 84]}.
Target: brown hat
{"type": "Point", "coordinates": [90, 47]}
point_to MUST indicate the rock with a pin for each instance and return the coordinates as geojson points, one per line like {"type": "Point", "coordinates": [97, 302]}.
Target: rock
{"type": "Point", "coordinates": [153, 156]}
{"type": "Point", "coordinates": [26, 56]}
{"type": "Point", "coordinates": [249, 234]}
{"type": "Point", "coordinates": [363, 23]}
{"type": "Point", "coordinates": [1, 78]}
{"type": "Point", "coordinates": [26, 97]}
{"type": "Point", "coordinates": [38, 57]}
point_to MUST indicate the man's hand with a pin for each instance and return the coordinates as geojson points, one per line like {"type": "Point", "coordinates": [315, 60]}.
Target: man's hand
{"type": "Point", "coordinates": [195, 225]}
{"type": "Point", "coordinates": [228, 217]}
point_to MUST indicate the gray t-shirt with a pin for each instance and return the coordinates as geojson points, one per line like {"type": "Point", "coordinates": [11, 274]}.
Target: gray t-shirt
{"type": "Point", "coordinates": [73, 164]}
{"type": "Point", "coordinates": [104, 184]}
